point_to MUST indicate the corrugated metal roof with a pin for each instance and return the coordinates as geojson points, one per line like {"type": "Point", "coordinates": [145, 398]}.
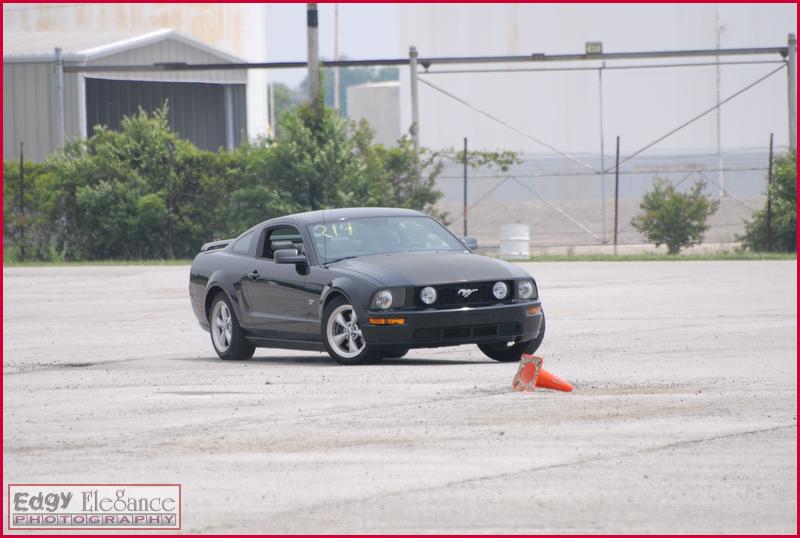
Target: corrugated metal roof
{"type": "Point", "coordinates": [81, 46]}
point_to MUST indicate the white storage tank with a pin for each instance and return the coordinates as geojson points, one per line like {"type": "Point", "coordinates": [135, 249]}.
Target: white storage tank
{"type": "Point", "coordinates": [515, 241]}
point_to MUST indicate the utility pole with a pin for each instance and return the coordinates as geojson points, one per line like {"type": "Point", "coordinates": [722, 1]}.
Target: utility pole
{"type": "Point", "coordinates": [336, 102]}
{"type": "Point", "coordinates": [412, 64]}
{"type": "Point", "coordinates": [616, 198]}
{"type": "Point", "coordinates": [465, 186]}
{"type": "Point", "coordinates": [312, 26]}
{"type": "Point", "coordinates": [792, 73]}
{"type": "Point", "coordinates": [21, 202]}
{"type": "Point", "coordinates": [769, 197]}
{"type": "Point", "coordinates": [58, 83]}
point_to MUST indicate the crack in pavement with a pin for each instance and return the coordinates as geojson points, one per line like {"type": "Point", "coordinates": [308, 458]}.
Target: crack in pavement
{"type": "Point", "coordinates": [583, 461]}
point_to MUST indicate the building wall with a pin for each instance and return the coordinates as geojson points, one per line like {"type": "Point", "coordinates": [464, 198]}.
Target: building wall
{"type": "Point", "coordinates": [239, 29]}
{"type": "Point", "coordinates": [379, 104]}
{"type": "Point", "coordinates": [198, 111]}
{"type": "Point", "coordinates": [28, 109]}
{"type": "Point", "coordinates": [562, 108]}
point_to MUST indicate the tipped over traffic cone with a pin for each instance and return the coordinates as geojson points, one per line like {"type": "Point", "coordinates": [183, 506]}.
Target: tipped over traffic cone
{"type": "Point", "coordinates": [531, 375]}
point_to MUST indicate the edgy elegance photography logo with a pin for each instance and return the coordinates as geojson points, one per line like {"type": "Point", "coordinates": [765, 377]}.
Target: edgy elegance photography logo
{"type": "Point", "coordinates": [94, 506]}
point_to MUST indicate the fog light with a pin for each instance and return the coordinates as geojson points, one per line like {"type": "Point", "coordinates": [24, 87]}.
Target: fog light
{"type": "Point", "coordinates": [387, 321]}
{"type": "Point", "coordinates": [428, 295]}
{"type": "Point", "coordinates": [500, 290]}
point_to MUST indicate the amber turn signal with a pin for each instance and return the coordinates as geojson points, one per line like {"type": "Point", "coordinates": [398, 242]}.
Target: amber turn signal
{"type": "Point", "coordinates": [532, 311]}
{"type": "Point", "coordinates": [387, 321]}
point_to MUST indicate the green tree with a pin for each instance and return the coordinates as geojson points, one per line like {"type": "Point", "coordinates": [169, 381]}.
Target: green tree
{"type": "Point", "coordinates": [27, 228]}
{"type": "Point", "coordinates": [134, 193]}
{"type": "Point", "coordinates": [674, 218]}
{"type": "Point", "coordinates": [783, 224]}
{"type": "Point", "coordinates": [286, 99]}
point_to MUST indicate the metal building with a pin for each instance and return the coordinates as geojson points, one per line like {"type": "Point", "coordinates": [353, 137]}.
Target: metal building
{"type": "Point", "coordinates": [379, 104]}
{"type": "Point", "coordinates": [206, 107]}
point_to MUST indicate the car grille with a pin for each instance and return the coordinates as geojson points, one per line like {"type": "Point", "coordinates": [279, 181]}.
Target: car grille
{"type": "Point", "coordinates": [466, 333]}
{"type": "Point", "coordinates": [447, 295]}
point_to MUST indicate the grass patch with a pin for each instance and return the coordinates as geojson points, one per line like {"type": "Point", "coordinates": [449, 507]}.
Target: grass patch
{"type": "Point", "coordinates": [93, 263]}
{"type": "Point", "coordinates": [653, 257]}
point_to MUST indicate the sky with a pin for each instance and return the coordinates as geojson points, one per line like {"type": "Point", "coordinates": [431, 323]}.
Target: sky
{"type": "Point", "coordinates": [362, 27]}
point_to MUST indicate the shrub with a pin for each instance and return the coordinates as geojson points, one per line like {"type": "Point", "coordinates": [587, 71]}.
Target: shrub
{"type": "Point", "coordinates": [783, 195]}
{"type": "Point", "coordinates": [142, 192]}
{"type": "Point", "coordinates": [674, 218]}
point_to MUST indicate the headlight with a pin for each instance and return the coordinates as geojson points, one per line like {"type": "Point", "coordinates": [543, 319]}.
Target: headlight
{"type": "Point", "coordinates": [526, 289]}
{"type": "Point", "coordinates": [383, 299]}
{"type": "Point", "coordinates": [500, 290]}
{"type": "Point", "coordinates": [428, 295]}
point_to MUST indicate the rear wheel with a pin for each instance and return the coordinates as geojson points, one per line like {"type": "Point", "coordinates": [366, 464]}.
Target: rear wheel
{"type": "Point", "coordinates": [342, 336]}
{"type": "Point", "coordinates": [226, 335]}
{"type": "Point", "coordinates": [512, 351]}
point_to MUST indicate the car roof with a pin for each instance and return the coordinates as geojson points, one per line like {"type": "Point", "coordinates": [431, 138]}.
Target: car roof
{"type": "Point", "coordinates": [313, 217]}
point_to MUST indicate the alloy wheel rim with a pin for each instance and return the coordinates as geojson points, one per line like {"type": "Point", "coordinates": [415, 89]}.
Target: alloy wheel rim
{"type": "Point", "coordinates": [221, 327]}
{"type": "Point", "coordinates": [344, 334]}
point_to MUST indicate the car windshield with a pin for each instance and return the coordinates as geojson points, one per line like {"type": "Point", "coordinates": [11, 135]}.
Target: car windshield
{"type": "Point", "coordinates": [349, 238]}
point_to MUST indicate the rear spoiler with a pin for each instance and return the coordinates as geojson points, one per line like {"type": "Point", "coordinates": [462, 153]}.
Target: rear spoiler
{"type": "Point", "coordinates": [215, 245]}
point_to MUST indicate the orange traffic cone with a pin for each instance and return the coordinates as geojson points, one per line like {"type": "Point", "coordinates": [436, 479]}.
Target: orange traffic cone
{"type": "Point", "coordinates": [547, 380]}
{"type": "Point", "coordinates": [531, 375]}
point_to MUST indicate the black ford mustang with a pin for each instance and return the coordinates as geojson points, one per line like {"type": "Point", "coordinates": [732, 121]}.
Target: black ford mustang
{"type": "Point", "coordinates": [362, 284]}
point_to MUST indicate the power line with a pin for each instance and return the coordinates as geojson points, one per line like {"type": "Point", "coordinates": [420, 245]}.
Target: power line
{"type": "Point", "coordinates": [508, 125]}
{"type": "Point", "coordinates": [546, 175]}
{"type": "Point", "coordinates": [697, 117]}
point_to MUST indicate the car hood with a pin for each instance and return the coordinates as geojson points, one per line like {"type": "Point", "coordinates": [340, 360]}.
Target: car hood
{"type": "Point", "coordinates": [423, 268]}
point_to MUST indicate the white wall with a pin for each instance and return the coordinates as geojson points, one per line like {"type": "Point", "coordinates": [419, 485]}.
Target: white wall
{"type": "Point", "coordinates": [562, 108]}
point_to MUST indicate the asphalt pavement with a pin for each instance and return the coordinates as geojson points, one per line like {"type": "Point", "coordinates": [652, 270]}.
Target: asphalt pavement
{"type": "Point", "coordinates": [683, 418]}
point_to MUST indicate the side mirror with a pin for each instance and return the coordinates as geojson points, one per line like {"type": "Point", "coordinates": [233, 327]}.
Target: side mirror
{"type": "Point", "coordinates": [471, 243]}
{"type": "Point", "coordinates": [290, 255]}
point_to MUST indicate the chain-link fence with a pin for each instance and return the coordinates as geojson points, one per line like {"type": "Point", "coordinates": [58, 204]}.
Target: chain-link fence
{"type": "Point", "coordinates": [568, 206]}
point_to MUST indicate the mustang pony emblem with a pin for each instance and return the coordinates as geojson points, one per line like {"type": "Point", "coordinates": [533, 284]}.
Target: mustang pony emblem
{"type": "Point", "coordinates": [466, 293]}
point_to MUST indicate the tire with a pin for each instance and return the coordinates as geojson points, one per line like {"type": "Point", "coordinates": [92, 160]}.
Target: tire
{"type": "Point", "coordinates": [227, 336]}
{"type": "Point", "coordinates": [342, 336]}
{"type": "Point", "coordinates": [502, 352]}
{"type": "Point", "coordinates": [394, 352]}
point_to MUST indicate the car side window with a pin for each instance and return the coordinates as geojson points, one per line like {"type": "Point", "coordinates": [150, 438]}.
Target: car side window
{"type": "Point", "coordinates": [242, 245]}
{"type": "Point", "coordinates": [280, 238]}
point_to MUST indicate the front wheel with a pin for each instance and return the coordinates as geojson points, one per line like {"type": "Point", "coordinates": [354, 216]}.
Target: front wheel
{"type": "Point", "coordinates": [512, 352]}
{"type": "Point", "coordinates": [342, 336]}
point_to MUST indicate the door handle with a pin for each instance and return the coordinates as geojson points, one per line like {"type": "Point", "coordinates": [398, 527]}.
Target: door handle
{"type": "Point", "coordinates": [253, 275]}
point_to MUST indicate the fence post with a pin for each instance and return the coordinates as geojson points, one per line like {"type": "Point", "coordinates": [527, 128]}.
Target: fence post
{"type": "Point", "coordinates": [465, 186]}
{"type": "Point", "coordinates": [602, 153]}
{"type": "Point", "coordinates": [616, 198]}
{"type": "Point", "coordinates": [769, 197]}
{"type": "Point", "coordinates": [792, 73]}
{"type": "Point", "coordinates": [21, 202]}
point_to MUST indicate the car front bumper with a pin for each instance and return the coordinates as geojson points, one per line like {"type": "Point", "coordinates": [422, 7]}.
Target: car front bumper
{"type": "Point", "coordinates": [435, 328]}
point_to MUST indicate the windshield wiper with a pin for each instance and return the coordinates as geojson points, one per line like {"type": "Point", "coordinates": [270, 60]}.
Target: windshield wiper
{"type": "Point", "coordinates": [344, 258]}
